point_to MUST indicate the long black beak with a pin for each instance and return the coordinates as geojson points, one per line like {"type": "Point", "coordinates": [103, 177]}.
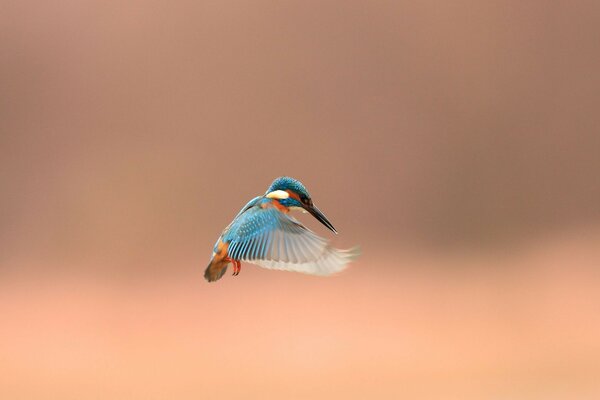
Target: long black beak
{"type": "Point", "coordinates": [320, 216]}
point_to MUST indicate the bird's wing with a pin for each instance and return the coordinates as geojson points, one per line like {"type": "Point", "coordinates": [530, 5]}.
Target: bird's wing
{"type": "Point", "coordinates": [271, 239]}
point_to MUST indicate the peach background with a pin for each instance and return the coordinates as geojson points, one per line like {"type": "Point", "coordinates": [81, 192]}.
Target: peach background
{"type": "Point", "coordinates": [456, 142]}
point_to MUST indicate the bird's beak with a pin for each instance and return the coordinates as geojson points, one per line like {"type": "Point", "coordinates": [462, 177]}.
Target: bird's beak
{"type": "Point", "coordinates": [320, 216]}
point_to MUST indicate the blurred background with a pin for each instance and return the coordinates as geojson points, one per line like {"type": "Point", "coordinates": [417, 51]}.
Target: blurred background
{"type": "Point", "coordinates": [456, 142]}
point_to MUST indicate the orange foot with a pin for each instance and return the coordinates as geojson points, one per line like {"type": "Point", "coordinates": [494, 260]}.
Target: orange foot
{"type": "Point", "coordinates": [237, 267]}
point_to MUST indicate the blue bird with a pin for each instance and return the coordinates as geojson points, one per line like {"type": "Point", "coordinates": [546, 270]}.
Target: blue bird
{"type": "Point", "coordinates": [263, 233]}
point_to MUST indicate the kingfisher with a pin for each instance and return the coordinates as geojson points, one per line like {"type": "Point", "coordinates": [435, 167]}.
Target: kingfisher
{"type": "Point", "coordinates": [265, 234]}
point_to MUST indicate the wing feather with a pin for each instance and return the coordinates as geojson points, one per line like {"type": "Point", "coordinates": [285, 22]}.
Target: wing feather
{"type": "Point", "coordinates": [271, 239]}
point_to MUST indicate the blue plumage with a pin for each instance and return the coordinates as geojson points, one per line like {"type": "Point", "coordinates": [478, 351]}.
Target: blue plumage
{"type": "Point", "coordinates": [287, 183]}
{"type": "Point", "coordinates": [264, 234]}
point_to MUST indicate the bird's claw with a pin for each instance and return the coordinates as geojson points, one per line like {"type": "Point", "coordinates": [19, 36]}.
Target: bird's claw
{"type": "Point", "coordinates": [237, 267]}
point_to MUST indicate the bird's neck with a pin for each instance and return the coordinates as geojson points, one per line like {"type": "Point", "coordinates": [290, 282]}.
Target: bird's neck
{"type": "Point", "coordinates": [275, 203]}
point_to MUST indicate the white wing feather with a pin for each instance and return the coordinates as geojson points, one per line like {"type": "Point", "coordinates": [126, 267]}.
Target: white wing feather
{"type": "Point", "coordinates": [328, 262]}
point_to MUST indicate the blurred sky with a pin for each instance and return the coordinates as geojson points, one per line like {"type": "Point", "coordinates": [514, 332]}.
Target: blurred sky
{"type": "Point", "coordinates": [457, 142]}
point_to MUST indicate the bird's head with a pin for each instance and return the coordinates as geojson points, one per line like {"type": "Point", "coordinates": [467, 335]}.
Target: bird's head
{"type": "Point", "coordinates": [291, 193]}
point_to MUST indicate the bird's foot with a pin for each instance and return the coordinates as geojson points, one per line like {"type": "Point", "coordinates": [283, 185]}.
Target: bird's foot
{"type": "Point", "coordinates": [237, 267]}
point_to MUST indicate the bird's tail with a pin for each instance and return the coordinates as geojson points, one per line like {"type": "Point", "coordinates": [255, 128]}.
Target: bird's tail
{"type": "Point", "coordinates": [216, 269]}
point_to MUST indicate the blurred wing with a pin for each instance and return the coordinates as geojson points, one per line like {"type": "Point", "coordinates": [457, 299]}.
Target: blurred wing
{"type": "Point", "coordinates": [271, 239]}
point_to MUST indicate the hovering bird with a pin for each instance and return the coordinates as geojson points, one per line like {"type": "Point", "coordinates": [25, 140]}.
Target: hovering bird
{"type": "Point", "coordinates": [263, 233]}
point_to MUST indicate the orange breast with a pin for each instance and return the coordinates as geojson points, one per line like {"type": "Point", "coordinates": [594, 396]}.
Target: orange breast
{"type": "Point", "coordinates": [221, 250]}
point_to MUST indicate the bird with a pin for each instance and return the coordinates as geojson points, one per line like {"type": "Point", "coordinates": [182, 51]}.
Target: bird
{"type": "Point", "coordinates": [264, 233]}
